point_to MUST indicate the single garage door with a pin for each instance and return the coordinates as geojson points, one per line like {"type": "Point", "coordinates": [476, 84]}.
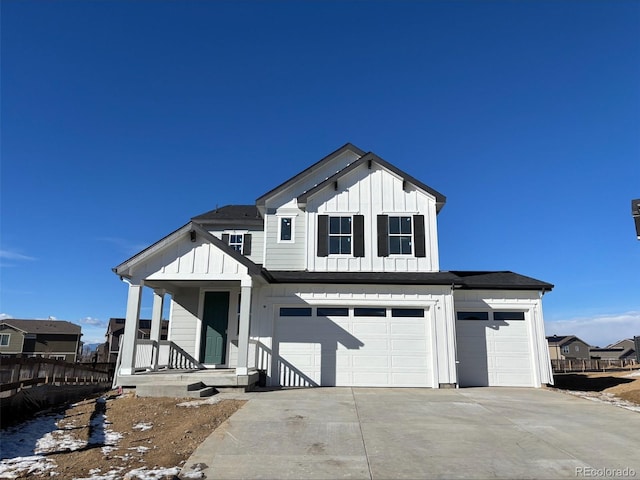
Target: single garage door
{"type": "Point", "coordinates": [493, 349]}
{"type": "Point", "coordinates": [346, 346]}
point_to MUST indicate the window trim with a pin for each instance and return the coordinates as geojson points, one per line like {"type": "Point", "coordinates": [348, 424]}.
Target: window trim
{"type": "Point", "coordinates": [566, 349]}
{"type": "Point", "coordinates": [8, 337]}
{"type": "Point", "coordinates": [340, 235]}
{"type": "Point", "coordinates": [400, 235]}
{"type": "Point", "coordinates": [293, 228]}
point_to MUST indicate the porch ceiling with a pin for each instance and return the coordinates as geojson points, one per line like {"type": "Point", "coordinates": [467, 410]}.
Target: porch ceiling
{"type": "Point", "coordinates": [171, 285]}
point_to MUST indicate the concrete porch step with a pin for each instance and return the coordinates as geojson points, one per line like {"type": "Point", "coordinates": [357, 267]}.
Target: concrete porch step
{"type": "Point", "coordinates": [175, 389]}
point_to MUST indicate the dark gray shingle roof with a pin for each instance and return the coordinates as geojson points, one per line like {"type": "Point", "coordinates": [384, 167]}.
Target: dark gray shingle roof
{"type": "Point", "coordinates": [459, 279]}
{"type": "Point", "coordinates": [245, 215]}
{"type": "Point", "coordinates": [61, 327]}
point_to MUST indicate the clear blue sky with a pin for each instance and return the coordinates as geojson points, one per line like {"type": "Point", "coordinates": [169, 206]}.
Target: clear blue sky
{"type": "Point", "coordinates": [121, 120]}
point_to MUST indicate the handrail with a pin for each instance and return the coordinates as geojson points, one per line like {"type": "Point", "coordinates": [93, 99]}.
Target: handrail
{"type": "Point", "coordinates": [163, 354]}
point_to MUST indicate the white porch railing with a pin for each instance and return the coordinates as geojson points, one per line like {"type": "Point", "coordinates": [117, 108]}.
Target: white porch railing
{"type": "Point", "coordinates": [154, 355]}
{"type": "Point", "coordinates": [168, 354]}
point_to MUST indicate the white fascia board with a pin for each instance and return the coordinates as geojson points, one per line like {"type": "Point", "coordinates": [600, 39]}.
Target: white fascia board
{"type": "Point", "coordinates": [124, 269]}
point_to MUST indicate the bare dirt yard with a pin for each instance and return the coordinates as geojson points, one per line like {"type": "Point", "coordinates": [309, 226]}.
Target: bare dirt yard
{"type": "Point", "coordinates": [113, 437]}
{"type": "Point", "coordinates": [610, 386]}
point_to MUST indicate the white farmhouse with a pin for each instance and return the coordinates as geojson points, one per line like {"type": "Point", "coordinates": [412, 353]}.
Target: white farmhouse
{"type": "Point", "coordinates": [331, 278]}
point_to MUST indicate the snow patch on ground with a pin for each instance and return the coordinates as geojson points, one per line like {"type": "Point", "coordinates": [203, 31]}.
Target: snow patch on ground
{"type": "Point", "coordinates": [633, 374]}
{"type": "Point", "coordinates": [150, 474]}
{"type": "Point", "coordinates": [35, 464]}
{"type": "Point", "coordinates": [604, 397]}
{"type": "Point", "coordinates": [143, 426]}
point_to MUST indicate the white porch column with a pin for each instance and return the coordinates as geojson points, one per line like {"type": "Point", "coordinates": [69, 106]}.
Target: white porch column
{"type": "Point", "coordinates": [156, 323]}
{"type": "Point", "coordinates": [243, 333]}
{"type": "Point", "coordinates": [128, 338]}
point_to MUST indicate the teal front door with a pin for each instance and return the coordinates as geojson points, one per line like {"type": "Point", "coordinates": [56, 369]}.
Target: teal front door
{"type": "Point", "coordinates": [215, 321]}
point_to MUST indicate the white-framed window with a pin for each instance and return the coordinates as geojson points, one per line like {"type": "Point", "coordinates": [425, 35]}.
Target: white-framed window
{"type": "Point", "coordinates": [565, 349]}
{"type": "Point", "coordinates": [340, 235]}
{"type": "Point", "coordinates": [236, 241]}
{"type": "Point", "coordinates": [577, 348]}
{"type": "Point", "coordinates": [400, 235]}
{"type": "Point", "coordinates": [285, 229]}
{"type": "Point", "coordinates": [4, 339]}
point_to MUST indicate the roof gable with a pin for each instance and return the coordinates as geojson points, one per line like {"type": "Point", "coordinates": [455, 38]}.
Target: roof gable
{"type": "Point", "coordinates": [313, 169]}
{"type": "Point", "coordinates": [368, 159]}
{"type": "Point", "coordinates": [191, 230]}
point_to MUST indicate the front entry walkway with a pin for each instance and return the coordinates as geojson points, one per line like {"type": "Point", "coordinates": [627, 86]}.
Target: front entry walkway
{"type": "Point", "coordinates": [382, 433]}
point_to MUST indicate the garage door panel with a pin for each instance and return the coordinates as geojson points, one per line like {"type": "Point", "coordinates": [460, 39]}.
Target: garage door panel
{"type": "Point", "coordinates": [355, 351]}
{"type": "Point", "coordinates": [370, 361]}
{"type": "Point", "coordinates": [408, 329]}
{"type": "Point", "coordinates": [409, 345]}
{"type": "Point", "coordinates": [365, 329]}
{"type": "Point", "coordinates": [409, 361]}
{"type": "Point", "coordinates": [367, 379]}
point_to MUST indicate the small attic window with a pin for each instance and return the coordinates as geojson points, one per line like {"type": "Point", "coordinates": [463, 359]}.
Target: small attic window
{"type": "Point", "coordinates": [286, 229]}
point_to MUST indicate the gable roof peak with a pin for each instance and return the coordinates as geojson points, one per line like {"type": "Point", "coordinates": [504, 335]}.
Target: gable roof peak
{"type": "Point", "coordinates": [370, 158]}
{"type": "Point", "coordinates": [260, 201]}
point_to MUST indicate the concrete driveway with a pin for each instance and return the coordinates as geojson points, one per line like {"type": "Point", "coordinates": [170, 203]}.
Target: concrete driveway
{"type": "Point", "coordinates": [382, 433]}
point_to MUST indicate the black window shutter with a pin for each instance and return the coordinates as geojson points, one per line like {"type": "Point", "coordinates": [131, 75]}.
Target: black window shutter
{"type": "Point", "coordinates": [358, 235]}
{"type": "Point", "coordinates": [419, 236]}
{"type": "Point", "coordinates": [246, 244]}
{"type": "Point", "coordinates": [323, 235]}
{"type": "Point", "coordinates": [383, 235]}
{"type": "Point", "coordinates": [225, 238]}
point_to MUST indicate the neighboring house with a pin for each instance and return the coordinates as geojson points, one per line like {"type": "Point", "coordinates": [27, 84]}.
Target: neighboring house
{"type": "Point", "coordinates": [55, 339]}
{"type": "Point", "coordinates": [115, 329]}
{"type": "Point", "coordinates": [622, 350]}
{"type": "Point", "coordinates": [635, 213]}
{"type": "Point", "coordinates": [333, 278]}
{"type": "Point", "coordinates": [568, 347]}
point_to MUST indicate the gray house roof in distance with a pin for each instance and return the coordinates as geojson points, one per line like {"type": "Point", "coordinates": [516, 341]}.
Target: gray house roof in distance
{"type": "Point", "coordinates": [560, 340]}
{"type": "Point", "coordinates": [60, 327]}
{"type": "Point", "coordinates": [458, 279]}
{"type": "Point", "coordinates": [346, 147]}
{"type": "Point", "coordinates": [237, 215]}
{"type": "Point", "coordinates": [372, 157]}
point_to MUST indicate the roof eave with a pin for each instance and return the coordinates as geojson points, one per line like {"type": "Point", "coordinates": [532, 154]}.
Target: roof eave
{"type": "Point", "coordinates": [372, 157]}
{"type": "Point", "coordinates": [260, 201]}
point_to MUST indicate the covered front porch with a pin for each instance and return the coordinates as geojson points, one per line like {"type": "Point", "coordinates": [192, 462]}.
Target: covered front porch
{"type": "Point", "coordinates": [210, 288]}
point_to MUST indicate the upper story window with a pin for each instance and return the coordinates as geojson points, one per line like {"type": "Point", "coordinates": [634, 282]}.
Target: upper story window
{"type": "Point", "coordinates": [240, 242]}
{"type": "Point", "coordinates": [400, 236]}
{"type": "Point", "coordinates": [340, 235]}
{"type": "Point", "coordinates": [4, 339]}
{"type": "Point", "coordinates": [286, 229]}
{"type": "Point", "coordinates": [565, 349]}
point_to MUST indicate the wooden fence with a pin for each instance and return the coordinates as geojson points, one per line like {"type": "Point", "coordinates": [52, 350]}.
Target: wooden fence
{"type": "Point", "coordinates": [18, 373]}
{"type": "Point", "coordinates": [592, 365]}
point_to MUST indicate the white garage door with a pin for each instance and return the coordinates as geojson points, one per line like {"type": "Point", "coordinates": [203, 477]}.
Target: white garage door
{"type": "Point", "coordinates": [493, 349]}
{"type": "Point", "coordinates": [345, 346]}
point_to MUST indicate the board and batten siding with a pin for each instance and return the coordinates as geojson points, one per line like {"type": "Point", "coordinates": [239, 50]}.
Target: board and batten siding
{"type": "Point", "coordinates": [187, 260]}
{"type": "Point", "coordinates": [285, 255]}
{"type": "Point", "coordinates": [257, 242]}
{"type": "Point", "coordinates": [324, 171]}
{"type": "Point", "coordinates": [371, 193]}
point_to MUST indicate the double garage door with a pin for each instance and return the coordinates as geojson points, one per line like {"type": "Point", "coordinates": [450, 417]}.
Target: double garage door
{"type": "Point", "coordinates": [351, 346]}
{"type": "Point", "coordinates": [493, 349]}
